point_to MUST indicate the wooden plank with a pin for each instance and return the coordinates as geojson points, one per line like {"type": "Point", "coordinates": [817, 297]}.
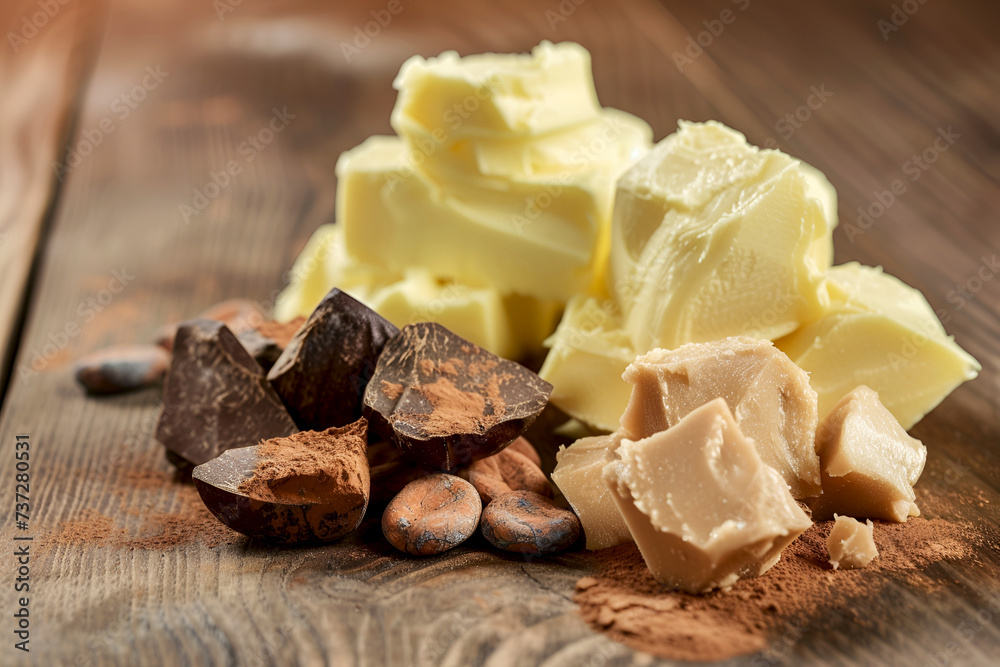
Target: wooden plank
{"type": "Point", "coordinates": [43, 62]}
{"type": "Point", "coordinates": [122, 258]}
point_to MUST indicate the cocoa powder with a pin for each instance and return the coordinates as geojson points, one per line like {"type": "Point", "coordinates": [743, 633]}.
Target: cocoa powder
{"type": "Point", "coordinates": [188, 522]}
{"type": "Point", "coordinates": [311, 466]}
{"type": "Point", "coordinates": [454, 408]}
{"type": "Point", "coordinates": [626, 602]}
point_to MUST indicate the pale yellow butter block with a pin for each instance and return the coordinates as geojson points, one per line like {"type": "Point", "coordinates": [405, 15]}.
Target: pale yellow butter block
{"type": "Point", "coordinates": [511, 326]}
{"type": "Point", "coordinates": [869, 463]}
{"type": "Point", "coordinates": [490, 93]}
{"type": "Point", "coordinates": [851, 543]}
{"type": "Point", "coordinates": [397, 218]}
{"type": "Point", "coordinates": [712, 237]}
{"type": "Point", "coordinates": [882, 333]}
{"type": "Point", "coordinates": [579, 475]}
{"type": "Point", "coordinates": [701, 505]}
{"type": "Point", "coordinates": [322, 265]}
{"type": "Point", "coordinates": [586, 359]}
{"type": "Point", "coordinates": [769, 395]}
{"type": "Point", "coordinates": [605, 145]}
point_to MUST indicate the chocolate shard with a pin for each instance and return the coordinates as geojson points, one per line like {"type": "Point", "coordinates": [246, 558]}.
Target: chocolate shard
{"type": "Point", "coordinates": [310, 487]}
{"type": "Point", "coordinates": [322, 374]}
{"type": "Point", "coordinates": [216, 396]}
{"type": "Point", "coordinates": [446, 402]}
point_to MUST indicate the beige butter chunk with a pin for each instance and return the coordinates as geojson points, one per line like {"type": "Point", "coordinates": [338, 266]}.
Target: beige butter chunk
{"type": "Point", "coordinates": [579, 475]}
{"type": "Point", "coordinates": [701, 505]}
{"type": "Point", "coordinates": [768, 394]}
{"type": "Point", "coordinates": [869, 464]}
{"type": "Point", "coordinates": [851, 543]}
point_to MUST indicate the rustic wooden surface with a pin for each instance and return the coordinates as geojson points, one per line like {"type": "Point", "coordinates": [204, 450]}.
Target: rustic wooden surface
{"type": "Point", "coordinates": [117, 220]}
{"type": "Point", "coordinates": [34, 124]}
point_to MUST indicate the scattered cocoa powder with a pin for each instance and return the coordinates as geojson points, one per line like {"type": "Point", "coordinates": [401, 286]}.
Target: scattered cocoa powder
{"type": "Point", "coordinates": [625, 601]}
{"type": "Point", "coordinates": [454, 408]}
{"type": "Point", "coordinates": [317, 466]}
{"type": "Point", "coordinates": [188, 522]}
{"type": "Point", "coordinates": [392, 390]}
{"type": "Point", "coordinates": [280, 332]}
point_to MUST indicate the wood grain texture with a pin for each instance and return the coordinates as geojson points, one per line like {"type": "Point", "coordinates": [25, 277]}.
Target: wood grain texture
{"type": "Point", "coordinates": [43, 65]}
{"type": "Point", "coordinates": [122, 259]}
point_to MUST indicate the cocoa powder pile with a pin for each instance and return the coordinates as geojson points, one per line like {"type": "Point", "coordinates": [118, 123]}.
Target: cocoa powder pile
{"type": "Point", "coordinates": [626, 602]}
{"type": "Point", "coordinates": [453, 407]}
{"type": "Point", "coordinates": [311, 466]}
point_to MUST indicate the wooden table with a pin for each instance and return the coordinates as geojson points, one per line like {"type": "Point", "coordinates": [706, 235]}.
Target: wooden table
{"type": "Point", "coordinates": [144, 101]}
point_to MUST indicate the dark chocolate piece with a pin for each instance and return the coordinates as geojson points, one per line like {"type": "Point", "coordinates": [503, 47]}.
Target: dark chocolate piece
{"type": "Point", "coordinates": [310, 487]}
{"type": "Point", "coordinates": [446, 402]}
{"type": "Point", "coordinates": [239, 315]}
{"type": "Point", "coordinates": [527, 523]}
{"type": "Point", "coordinates": [121, 368]}
{"type": "Point", "coordinates": [322, 374]}
{"type": "Point", "coordinates": [216, 396]}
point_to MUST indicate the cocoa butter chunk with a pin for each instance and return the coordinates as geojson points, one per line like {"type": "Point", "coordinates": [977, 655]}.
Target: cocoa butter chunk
{"type": "Point", "coordinates": [868, 461]}
{"type": "Point", "coordinates": [216, 396]}
{"type": "Point", "coordinates": [322, 374]}
{"type": "Point", "coordinates": [851, 543]}
{"type": "Point", "coordinates": [528, 523]}
{"type": "Point", "coordinates": [579, 474]}
{"type": "Point", "coordinates": [432, 515]}
{"type": "Point", "coordinates": [309, 487]}
{"type": "Point", "coordinates": [267, 340]}
{"type": "Point", "coordinates": [447, 402]}
{"type": "Point", "coordinates": [702, 507]}
{"type": "Point", "coordinates": [121, 368]}
{"type": "Point", "coordinates": [240, 315]}
{"type": "Point", "coordinates": [768, 394]}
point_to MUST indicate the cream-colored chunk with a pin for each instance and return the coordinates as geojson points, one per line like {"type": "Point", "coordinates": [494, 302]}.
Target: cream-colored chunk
{"type": "Point", "coordinates": [701, 505]}
{"type": "Point", "coordinates": [713, 237]}
{"type": "Point", "coordinates": [869, 464]}
{"type": "Point", "coordinates": [586, 358]}
{"type": "Point", "coordinates": [851, 543]}
{"type": "Point", "coordinates": [579, 475]}
{"type": "Point", "coordinates": [880, 332]}
{"type": "Point", "coordinates": [768, 394]}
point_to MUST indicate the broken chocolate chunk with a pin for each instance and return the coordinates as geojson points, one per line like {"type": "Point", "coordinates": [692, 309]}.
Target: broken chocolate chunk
{"type": "Point", "coordinates": [310, 487]}
{"type": "Point", "coordinates": [322, 374]}
{"type": "Point", "coordinates": [216, 396]}
{"type": "Point", "coordinates": [446, 402]}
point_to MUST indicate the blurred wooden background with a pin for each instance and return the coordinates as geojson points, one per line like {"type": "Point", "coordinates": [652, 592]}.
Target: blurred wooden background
{"type": "Point", "coordinates": [112, 113]}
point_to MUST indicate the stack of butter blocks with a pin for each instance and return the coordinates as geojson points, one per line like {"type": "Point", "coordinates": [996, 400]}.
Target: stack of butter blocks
{"type": "Point", "coordinates": [718, 443]}
{"type": "Point", "coordinates": [712, 237]}
{"type": "Point", "coordinates": [489, 208]}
